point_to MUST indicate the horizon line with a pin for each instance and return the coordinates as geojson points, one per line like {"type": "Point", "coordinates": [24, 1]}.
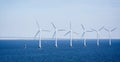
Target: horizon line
{"type": "Point", "coordinates": [32, 38]}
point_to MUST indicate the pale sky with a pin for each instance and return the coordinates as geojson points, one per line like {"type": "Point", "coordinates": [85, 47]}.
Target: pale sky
{"type": "Point", "coordinates": [17, 17]}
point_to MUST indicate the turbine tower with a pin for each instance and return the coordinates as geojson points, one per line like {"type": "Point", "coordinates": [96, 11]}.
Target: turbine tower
{"type": "Point", "coordinates": [55, 33]}
{"type": "Point", "coordinates": [83, 34]}
{"type": "Point", "coordinates": [39, 32]}
{"type": "Point", "coordinates": [98, 34]}
{"type": "Point", "coordinates": [109, 31]}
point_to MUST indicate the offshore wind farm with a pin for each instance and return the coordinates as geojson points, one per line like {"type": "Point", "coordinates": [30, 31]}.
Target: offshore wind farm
{"type": "Point", "coordinates": [70, 31]}
{"type": "Point", "coordinates": [59, 31]}
{"type": "Point", "coordinates": [49, 50]}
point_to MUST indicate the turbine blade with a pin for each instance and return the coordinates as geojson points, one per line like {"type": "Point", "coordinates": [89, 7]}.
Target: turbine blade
{"type": "Point", "coordinates": [83, 27]}
{"type": "Point", "coordinates": [38, 24]}
{"type": "Point", "coordinates": [67, 33]}
{"type": "Point", "coordinates": [106, 29]}
{"type": "Point", "coordinates": [89, 31]}
{"type": "Point", "coordinates": [61, 29]}
{"type": "Point", "coordinates": [101, 28]}
{"type": "Point", "coordinates": [93, 29]}
{"type": "Point", "coordinates": [37, 33]}
{"type": "Point", "coordinates": [54, 34]}
{"type": "Point", "coordinates": [76, 33]}
{"type": "Point", "coordinates": [113, 29]}
{"type": "Point", "coordinates": [46, 30]}
{"type": "Point", "coordinates": [53, 26]}
{"type": "Point", "coordinates": [70, 25]}
{"type": "Point", "coordinates": [83, 34]}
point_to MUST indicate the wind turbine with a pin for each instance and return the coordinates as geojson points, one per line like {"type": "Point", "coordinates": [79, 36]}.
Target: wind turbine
{"type": "Point", "coordinates": [109, 31]}
{"type": "Point", "coordinates": [55, 33]}
{"type": "Point", "coordinates": [39, 32]}
{"type": "Point", "coordinates": [71, 33]}
{"type": "Point", "coordinates": [98, 34]}
{"type": "Point", "coordinates": [83, 34]}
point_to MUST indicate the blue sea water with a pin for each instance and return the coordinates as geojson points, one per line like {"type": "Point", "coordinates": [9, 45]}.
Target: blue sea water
{"type": "Point", "coordinates": [14, 51]}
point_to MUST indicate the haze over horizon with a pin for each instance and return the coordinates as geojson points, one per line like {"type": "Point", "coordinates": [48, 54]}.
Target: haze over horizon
{"type": "Point", "coordinates": [17, 18]}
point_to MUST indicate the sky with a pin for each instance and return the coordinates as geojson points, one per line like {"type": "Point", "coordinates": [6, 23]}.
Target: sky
{"type": "Point", "coordinates": [18, 17]}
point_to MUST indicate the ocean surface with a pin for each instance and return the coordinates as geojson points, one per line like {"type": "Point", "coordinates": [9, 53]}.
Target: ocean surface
{"type": "Point", "coordinates": [14, 51]}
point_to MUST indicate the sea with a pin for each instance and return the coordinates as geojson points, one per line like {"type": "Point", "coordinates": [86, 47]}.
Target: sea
{"type": "Point", "coordinates": [15, 51]}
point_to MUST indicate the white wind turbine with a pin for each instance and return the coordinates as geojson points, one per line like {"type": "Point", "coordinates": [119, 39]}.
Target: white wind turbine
{"type": "Point", "coordinates": [71, 33]}
{"type": "Point", "coordinates": [83, 34]}
{"type": "Point", "coordinates": [109, 31]}
{"type": "Point", "coordinates": [39, 32]}
{"type": "Point", "coordinates": [98, 34]}
{"type": "Point", "coordinates": [55, 33]}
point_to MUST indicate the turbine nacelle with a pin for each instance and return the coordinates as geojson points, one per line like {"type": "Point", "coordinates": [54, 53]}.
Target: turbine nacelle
{"type": "Point", "coordinates": [84, 30]}
{"type": "Point", "coordinates": [55, 30]}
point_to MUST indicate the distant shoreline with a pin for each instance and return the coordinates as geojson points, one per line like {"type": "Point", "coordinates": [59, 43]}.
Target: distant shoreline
{"type": "Point", "coordinates": [31, 38]}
